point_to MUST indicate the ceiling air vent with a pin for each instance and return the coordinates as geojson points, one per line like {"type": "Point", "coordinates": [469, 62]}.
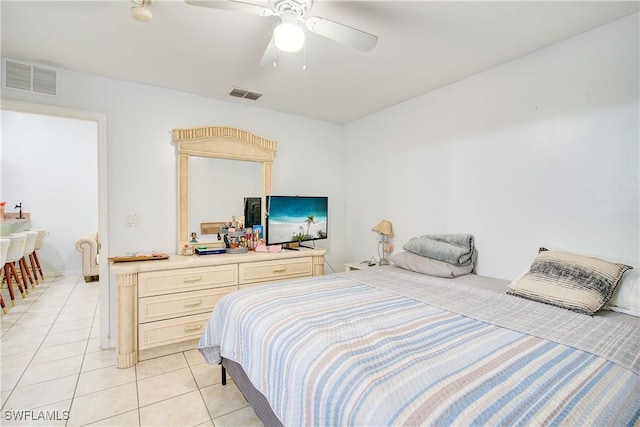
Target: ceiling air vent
{"type": "Point", "coordinates": [241, 93]}
{"type": "Point", "coordinates": [29, 77]}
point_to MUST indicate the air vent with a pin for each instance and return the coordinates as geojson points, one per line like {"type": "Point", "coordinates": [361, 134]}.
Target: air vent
{"type": "Point", "coordinates": [28, 77]}
{"type": "Point", "coordinates": [241, 93]}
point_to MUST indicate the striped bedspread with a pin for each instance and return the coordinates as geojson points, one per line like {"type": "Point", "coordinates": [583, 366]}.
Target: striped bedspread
{"type": "Point", "coordinates": [381, 347]}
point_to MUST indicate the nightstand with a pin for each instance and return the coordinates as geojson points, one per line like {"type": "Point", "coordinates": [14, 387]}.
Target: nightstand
{"type": "Point", "coordinates": [357, 266]}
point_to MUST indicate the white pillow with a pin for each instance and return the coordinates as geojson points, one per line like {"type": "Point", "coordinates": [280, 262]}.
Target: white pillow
{"type": "Point", "coordinates": [626, 298]}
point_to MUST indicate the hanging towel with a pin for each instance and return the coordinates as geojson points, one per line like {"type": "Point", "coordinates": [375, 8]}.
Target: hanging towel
{"type": "Point", "coordinates": [456, 249]}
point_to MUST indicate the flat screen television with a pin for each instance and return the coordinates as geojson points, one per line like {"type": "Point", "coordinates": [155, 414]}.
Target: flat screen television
{"type": "Point", "coordinates": [296, 219]}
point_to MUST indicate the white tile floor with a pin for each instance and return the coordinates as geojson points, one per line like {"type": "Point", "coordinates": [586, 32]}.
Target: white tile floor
{"type": "Point", "coordinates": [54, 373]}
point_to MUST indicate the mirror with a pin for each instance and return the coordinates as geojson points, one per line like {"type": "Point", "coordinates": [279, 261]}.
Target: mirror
{"type": "Point", "coordinates": [229, 144]}
{"type": "Point", "coordinates": [217, 188]}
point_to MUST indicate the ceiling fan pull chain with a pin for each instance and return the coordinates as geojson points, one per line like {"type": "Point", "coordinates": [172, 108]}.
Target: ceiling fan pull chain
{"type": "Point", "coordinates": [274, 50]}
{"type": "Point", "coordinates": [304, 57]}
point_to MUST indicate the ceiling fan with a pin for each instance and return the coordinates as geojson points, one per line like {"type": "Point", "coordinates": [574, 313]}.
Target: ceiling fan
{"type": "Point", "coordinates": [289, 36]}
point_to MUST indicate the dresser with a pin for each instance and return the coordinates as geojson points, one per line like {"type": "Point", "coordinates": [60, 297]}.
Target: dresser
{"type": "Point", "coordinates": [162, 306]}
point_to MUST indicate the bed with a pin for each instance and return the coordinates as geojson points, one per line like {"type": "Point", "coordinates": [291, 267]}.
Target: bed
{"type": "Point", "coordinates": [388, 346]}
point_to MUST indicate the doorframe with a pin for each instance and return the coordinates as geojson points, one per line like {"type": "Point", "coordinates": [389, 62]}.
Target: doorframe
{"type": "Point", "coordinates": [101, 121]}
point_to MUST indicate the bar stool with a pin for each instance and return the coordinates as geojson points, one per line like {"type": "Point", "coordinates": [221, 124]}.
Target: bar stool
{"type": "Point", "coordinates": [42, 233]}
{"type": "Point", "coordinates": [29, 244]}
{"type": "Point", "coordinates": [29, 248]}
{"type": "Point", "coordinates": [14, 254]}
{"type": "Point", "coordinates": [4, 249]}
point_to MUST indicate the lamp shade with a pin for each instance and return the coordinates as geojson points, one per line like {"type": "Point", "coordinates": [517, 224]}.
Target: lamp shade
{"type": "Point", "coordinates": [384, 228]}
{"type": "Point", "coordinates": [141, 13]}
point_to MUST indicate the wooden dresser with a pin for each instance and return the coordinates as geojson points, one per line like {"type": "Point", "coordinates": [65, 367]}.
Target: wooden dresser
{"type": "Point", "coordinates": [162, 306]}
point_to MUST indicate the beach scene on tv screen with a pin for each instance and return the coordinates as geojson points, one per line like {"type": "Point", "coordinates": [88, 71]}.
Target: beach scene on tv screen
{"type": "Point", "coordinates": [297, 219]}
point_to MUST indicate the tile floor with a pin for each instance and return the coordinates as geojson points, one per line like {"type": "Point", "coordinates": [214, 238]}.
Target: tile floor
{"type": "Point", "coordinates": [54, 373]}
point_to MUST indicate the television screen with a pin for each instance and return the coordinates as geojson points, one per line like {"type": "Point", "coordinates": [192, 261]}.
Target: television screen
{"type": "Point", "coordinates": [252, 207]}
{"type": "Point", "coordinates": [296, 219]}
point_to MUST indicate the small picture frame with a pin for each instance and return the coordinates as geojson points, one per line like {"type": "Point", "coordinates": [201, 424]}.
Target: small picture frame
{"type": "Point", "coordinates": [259, 231]}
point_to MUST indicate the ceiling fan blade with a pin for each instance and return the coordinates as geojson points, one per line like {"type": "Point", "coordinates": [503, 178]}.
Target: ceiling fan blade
{"type": "Point", "coordinates": [342, 33]}
{"type": "Point", "coordinates": [269, 55]}
{"type": "Point", "coordinates": [237, 6]}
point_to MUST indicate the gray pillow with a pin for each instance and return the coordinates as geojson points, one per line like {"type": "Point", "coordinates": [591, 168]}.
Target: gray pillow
{"type": "Point", "coordinates": [429, 266]}
{"type": "Point", "coordinates": [457, 249]}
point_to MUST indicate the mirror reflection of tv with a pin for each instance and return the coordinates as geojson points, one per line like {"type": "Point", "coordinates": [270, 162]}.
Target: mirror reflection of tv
{"type": "Point", "coordinates": [296, 219]}
{"type": "Point", "coordinates": [252, 212]}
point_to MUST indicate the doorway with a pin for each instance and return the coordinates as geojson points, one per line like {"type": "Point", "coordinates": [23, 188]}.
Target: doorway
{"type": "Point", "coordinates": [92, 127]}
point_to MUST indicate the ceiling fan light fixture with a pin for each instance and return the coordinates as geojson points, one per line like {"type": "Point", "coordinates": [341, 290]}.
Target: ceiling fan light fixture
{"type": "Point", "coordinates": [288, 36]}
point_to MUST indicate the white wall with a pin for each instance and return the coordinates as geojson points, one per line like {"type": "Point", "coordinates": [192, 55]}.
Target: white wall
{"type": "Point", "coordinates": [50, 164]}
{"type": "Point", "coordinates": [542, 150]}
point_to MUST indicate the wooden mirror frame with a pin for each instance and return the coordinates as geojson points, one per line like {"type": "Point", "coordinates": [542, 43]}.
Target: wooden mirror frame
{"type": "Point", "coordinates": [219, 142]}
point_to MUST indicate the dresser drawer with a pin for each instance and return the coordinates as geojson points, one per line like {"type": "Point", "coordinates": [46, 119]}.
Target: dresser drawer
{"type": "Point", "coordinates": [171, 331]}
{"type": "Point", "coordinates": [174, 281]}
{"type": "Point", "coordinates": [263, 271]}
{"type": "Point", "coordinates": [174, 305]}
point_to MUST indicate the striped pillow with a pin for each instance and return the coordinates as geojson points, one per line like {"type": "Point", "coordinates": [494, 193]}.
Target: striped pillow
{"type": "Point", "coordinates": [575, 282]}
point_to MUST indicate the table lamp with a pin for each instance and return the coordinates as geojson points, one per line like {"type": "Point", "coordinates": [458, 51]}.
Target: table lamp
{"type": "Point", "coordinates": [384, 246]}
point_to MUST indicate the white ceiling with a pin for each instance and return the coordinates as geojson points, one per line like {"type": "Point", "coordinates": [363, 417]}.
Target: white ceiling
{"type": "Point", "coordinates": [423, 45]}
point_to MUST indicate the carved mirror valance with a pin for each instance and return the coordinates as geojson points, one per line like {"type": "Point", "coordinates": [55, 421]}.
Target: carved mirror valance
{"type": "Point", "coordinates": [223, 143]}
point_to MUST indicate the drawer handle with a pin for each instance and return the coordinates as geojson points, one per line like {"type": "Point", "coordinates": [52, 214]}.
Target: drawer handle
{"type": "Point", "coordinates": [193, 328]}
{"type": "Point", "coordinates": [192, 303]}
{"type": "Point", "coordinates": [192, 279]}
{"type": "Point", "coordinates": [280, 270]}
